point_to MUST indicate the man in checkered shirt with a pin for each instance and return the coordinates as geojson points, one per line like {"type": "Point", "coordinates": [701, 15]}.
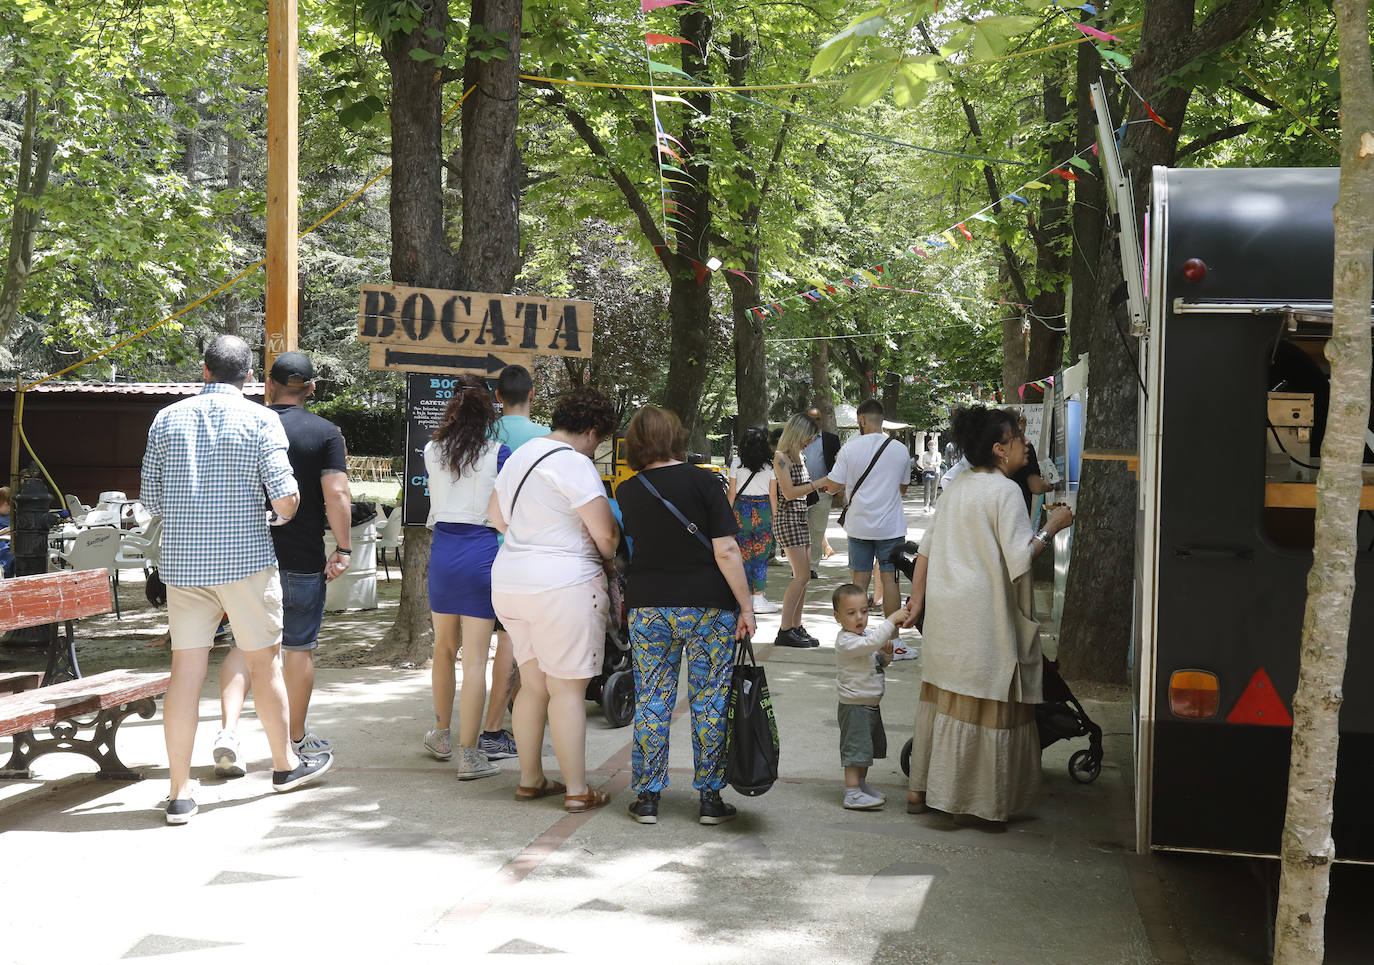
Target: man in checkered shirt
{"type": "Point", "coordinates": [209, 461]}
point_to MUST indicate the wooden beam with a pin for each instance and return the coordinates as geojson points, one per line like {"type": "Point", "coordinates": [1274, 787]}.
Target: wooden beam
{"type": "Point", "coordinates": [282, 199]}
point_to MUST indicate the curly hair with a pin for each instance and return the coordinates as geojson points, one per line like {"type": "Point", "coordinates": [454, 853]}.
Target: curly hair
{"type": "Point", "coordinates": [581, 409]}
{"type": "Point", "coordinates": [655, 435]}
{"type": "Point", "coordinates": [754, 451]}
{"type": "Point", "coordinates": [467, 425]}
{"type": "Point", "coordinates": [977, 429]}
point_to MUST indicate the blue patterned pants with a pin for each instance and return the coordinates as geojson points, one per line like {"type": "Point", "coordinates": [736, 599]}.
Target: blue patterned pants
{"type": "Point", "coordinates": [658, 635]}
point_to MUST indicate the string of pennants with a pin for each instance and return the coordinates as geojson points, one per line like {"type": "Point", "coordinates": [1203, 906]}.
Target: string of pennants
{"type": "Point", "coordinates": [1043, 385]}
{"type": "Point", "coordinates": [675, 212]}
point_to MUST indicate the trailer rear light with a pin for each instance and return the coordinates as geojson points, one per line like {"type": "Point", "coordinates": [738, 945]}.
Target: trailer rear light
{"type": "Point", "coordinates": [1195, 269]}
{"type": "Point", "coordinates": [1194, 694]}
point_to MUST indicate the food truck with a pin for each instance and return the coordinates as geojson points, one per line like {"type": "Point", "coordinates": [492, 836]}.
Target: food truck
{"type": "Point", "coordinates": [1237, 312]}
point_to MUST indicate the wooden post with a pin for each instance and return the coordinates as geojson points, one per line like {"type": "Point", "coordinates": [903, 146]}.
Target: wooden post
{"type": "Point", "coordinates": [282, 205]}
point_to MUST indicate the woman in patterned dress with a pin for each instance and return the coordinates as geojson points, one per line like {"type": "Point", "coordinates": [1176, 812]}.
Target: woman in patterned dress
{"type": "Point", "coordinates": [753, 495]}
{"type": "Point", "coordinates": [790, 528]}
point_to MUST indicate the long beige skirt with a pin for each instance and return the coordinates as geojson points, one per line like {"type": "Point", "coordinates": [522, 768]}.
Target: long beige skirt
{"type": "Point", "coordinates": [975, 756]}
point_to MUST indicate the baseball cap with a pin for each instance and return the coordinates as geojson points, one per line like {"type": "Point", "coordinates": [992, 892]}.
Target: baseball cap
{"type": "Point", "coordinates": [292, 368]}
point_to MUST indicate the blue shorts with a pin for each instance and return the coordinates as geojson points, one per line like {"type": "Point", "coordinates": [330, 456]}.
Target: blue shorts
{"type": "Point", "coordinates": [302, 597]}
{"type": "Point", "coordinates": [862, 552]}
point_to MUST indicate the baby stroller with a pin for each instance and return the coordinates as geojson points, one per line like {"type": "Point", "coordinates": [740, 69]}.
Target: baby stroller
{"type": "Point", "coordinates": [614, 687]}
{"type": "Point", "coordinates": [1059, 717]}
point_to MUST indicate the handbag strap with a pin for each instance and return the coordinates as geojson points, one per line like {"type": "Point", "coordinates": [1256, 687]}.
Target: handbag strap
{"type": "Point", "coordinates": [745, 648]}
{"type": "Point", "coordinates": [871, 463]}
{"type": "Point", "coordinates": [526, 476]}
{"type": "Point", "coordinates": [740, 492]}
{"type": "Point", "coordinates": [691, 526]}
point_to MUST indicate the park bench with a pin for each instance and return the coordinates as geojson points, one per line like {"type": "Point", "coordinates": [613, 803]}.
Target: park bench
{"type": "Point", "coordinates": [67, 712]}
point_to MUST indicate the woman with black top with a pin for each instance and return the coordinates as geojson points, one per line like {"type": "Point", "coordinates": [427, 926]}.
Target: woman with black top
{"type": "Point", "coordinates": [687, 590]}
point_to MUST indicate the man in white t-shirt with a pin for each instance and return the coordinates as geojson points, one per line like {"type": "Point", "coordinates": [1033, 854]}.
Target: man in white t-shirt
{"type": "Point", "coordinates": [874, 520]}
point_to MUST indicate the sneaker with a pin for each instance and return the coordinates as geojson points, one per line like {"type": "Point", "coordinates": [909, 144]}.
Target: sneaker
{"type": "Point", "coordinates": [227, 754]}
{"type": "Point", "coordinates": [644, 808]}
{"type": "Point", "coordinates": [311, 744]}
{"type": "Point", "coordinates": [872, 791]}
{"type": "Point", "coordinates": [473, 764]}
{"type": "Point", "coordinates": [791, 638]}
{"type": "Point", "coordinates": [498, 745]}
{"type": "Point", "coordinates": [714, 810]}
{"type": "Point", "coordinates": [437, 742]}
{"type": "Point", "coordinates": [181, 811]}
{"type": "Point", "coordinates": [761, 604]}
{"type": "Point", "coordinates": [309, 769]}
{"type": "Point", "coordinates": [857, 799]}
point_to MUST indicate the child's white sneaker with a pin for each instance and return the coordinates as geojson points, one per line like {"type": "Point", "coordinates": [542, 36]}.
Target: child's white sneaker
{"type": "Point", "coordinates": [857, 799]}
{"type": "Point", "coordinates": [872, 791]}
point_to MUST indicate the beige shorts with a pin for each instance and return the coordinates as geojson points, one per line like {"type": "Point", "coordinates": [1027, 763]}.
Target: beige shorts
{"type": "Point", "coordinates": [253, 604]}
{"type": "Point", "coordinates": [563, 629]}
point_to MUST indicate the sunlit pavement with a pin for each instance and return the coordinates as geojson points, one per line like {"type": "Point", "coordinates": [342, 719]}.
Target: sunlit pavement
{"type": "Point", "coordinates": [392, 859]}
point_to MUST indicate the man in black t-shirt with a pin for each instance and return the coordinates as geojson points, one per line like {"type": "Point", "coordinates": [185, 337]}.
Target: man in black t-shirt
{"type": "Point", "coordinates": [318, 459]}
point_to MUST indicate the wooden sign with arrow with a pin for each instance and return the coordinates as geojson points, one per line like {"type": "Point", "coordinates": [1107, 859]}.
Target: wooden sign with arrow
{"type": "Point", "coordinates": [434, 330]}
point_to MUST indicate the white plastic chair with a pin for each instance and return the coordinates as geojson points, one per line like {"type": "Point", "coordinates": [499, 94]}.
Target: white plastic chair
{"type": "Point", "coordinates": [95, 549]}
{"type": "Point", "coordinates": [77, 508]}
{"type": "Point", "coordinates": [389, 538]}
{"type": "Point", "coordinates": [140, 550]}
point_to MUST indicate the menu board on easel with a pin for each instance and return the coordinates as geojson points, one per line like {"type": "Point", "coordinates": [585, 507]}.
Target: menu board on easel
{"type": "Point", "coordinates": [426, 398]}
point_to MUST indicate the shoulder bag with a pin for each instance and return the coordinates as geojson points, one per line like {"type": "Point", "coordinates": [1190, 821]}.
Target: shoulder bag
{"type": "Point", "coordinates": [751, 730]}
{"type": "Point", "coordinates": [849, 497]}
{"type": "Point", "coordinates": [691, 526]}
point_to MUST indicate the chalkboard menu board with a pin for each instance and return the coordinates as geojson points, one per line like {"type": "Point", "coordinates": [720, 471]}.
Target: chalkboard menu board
{"type": "Point", "coordinates": [426, 398]}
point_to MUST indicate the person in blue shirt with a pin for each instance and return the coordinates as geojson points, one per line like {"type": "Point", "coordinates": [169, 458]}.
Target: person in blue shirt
{"type": "Point", "coordinates": [514, 388]}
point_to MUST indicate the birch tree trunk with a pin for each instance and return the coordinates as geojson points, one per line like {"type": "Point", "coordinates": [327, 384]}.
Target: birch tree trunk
{"type": "Point", "coordinates": [1307, 847]}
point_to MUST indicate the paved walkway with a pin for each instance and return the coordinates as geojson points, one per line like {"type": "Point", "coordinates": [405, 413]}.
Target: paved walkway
{"type": "Point", "coordinates": [391, 858]}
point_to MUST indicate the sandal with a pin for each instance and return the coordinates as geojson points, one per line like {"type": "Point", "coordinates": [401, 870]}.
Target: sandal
{"type": "Point", "coordinates": [916, 807]}
{"type": "Point", "coordinates": [547, 789]}
{"type": "Point", "coordinates": [577, 803]}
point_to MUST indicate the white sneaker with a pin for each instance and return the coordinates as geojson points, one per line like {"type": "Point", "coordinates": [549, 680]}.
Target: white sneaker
{"type": "Point", "coordinates": [227, 754]}
{"type": "Point", "coordinates": [872, 791]}
{"type": "Point", "coordinates": [438, 743]}
{"type": "Point", "coordinates": [761, 604]}
{"type": "Point", "coordinates": [857, 799]}
{"type": "Point", "coordinates": [473, 764]}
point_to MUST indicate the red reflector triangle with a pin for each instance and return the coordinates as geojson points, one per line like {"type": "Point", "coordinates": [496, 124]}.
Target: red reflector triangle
{"type": "Point", "coordinates": [1260, 704]}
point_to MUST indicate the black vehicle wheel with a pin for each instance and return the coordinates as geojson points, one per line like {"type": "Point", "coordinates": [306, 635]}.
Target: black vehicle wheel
{"type": "Point", "coordinates": [906, 756]}
{"type": "Point", "coordinates": [618, 698]}
{"type": "Point", "coordinates": [1084, 767]}
{"type": "Point", "coordinates": [594, 689]}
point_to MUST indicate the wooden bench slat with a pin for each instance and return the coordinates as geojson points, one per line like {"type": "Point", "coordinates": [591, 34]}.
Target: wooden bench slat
{"type": "Point", "coordinates": [30, 601]}
{"type": "Point", "coordinates": [76, 698]}
{"type": "Point", "coordinates": [13, 683]}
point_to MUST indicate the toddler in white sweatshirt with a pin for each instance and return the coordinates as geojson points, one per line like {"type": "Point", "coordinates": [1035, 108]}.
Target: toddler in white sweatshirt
{"type": "Point", "coordinates": [861, 654]}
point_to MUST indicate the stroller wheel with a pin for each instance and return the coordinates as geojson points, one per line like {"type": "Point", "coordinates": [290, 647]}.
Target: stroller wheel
{"type": "Point", "coordinates": [618, 698]}
{"type": "Point", "coordinates": [906, 756]}
{"type": "Point", "coordinates": [1084, 766]}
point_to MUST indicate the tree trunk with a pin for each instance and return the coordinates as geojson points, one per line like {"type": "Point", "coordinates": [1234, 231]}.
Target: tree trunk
{"type": "Point", "coordinates": [420, 256]}
{"type": "Point", "coordinates": [1045, 345]}
{"type": "Point", "coordinates": [489, 256]}
{"type": "Point", "coordinates": [751, 358]}
{"type": "Point", "coordinates": [1013, 357]}
{"type": "Point", "coordinates": [892, 385]}
{"type": "Point", "coordinates": [35, 165]}
{"type": "Point", "coordinates": [1089, 201]}
{"type": "Point", "coordinates": [1307, 847]}
{"type": "Point", "coordinates": [233, 180]}
{"type": "Point", "coordinates": [822, 393]}
{"type": "Point", "coordinates": [689, 312]}
{"type": "Point", "coordinates": [1095, 634]}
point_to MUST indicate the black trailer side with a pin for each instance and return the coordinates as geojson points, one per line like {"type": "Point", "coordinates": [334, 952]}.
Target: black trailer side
{"type": "Point", "coordinates": [1239, 302]}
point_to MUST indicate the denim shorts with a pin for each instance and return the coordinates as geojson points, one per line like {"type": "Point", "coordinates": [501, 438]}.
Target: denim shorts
{"type": "Point", "coordinates": [862, 552]}
{"type": "Point", "coordinates": [302, 609]}
{"type": "Point", "coordinates": [862, 737]}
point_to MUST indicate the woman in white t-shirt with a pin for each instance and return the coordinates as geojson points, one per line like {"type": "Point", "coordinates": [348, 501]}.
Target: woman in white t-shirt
{"type": "Point", "coordinates": [548, 586]}
{"type": "Point", "coordinates": [754, 497]}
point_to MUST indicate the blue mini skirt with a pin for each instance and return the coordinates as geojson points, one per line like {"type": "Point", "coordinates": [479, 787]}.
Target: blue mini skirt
{"type": "Point", "coordinates": [460, 558]}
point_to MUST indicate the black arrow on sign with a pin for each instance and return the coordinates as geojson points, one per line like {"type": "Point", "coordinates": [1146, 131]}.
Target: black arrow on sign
{"type": "Point", "coordinates": [434, 360]}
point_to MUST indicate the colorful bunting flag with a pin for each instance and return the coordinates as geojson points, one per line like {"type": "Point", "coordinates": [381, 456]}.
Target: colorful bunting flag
{"type": "Point", "coordinates": [1156, 118]}
{"type": "Point", "coordinates": [647, 5]}
{"type": "Point", "coordinates": [964, 231]}
{"type": "Point", "coordinates": [736, 271]}
{"type": "Point", "coordinates": [1066, 175]}
{"type": "Point", "coordinates": [653, 39]}
{"type": "Point", "coordinates": [1094, 32]}
{"type": "Point", "coordinates": [949, 238]}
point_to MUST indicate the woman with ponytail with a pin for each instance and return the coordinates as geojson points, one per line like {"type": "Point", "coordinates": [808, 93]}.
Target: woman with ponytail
{"type": "Point", "coordinates": [462, 461]}
{"type": "Point", "coordinates": [976, 753]}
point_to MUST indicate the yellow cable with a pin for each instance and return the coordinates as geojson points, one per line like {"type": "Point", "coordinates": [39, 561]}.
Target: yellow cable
{"type": "Point", "coordinates": [1278, 100]}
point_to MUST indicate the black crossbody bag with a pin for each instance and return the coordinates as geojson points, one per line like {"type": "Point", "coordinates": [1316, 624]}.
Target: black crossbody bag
{"type": "Point", "coordinates": [738, 492]}
{"type": "Point", "coordinates": [849, 501]}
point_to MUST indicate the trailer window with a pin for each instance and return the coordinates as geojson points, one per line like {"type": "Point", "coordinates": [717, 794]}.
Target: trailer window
{"type": "Point", "coordinates": [1298, 394]}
